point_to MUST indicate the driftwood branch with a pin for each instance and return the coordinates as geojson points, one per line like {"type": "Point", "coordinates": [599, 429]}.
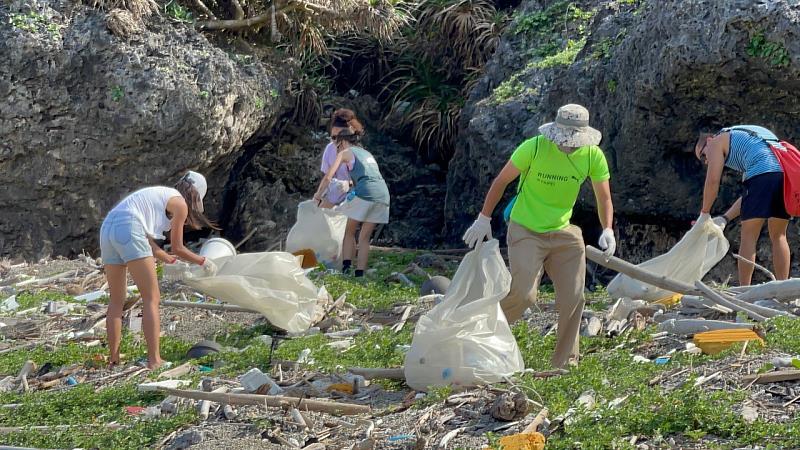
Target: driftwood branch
{"type": "Point", "coordinates": [772, 377]}
{"type": "Point", "coordinates": [271, 400]}
{"type": "Point", "coordinates": [688, 327]}
{"type": "Point", "coordinates": [779, 290]}
{"type": "Point", "coordinates": [209, 306]}
{"type": "Point", "coordinates": [369, 373]}
{"type": "Point", "coordinates": [234, 24]}
{"type": "Point", "coordinates": [238, 12]}
{"type": "Point", "coordinates": [637, 273]}
{"type": "Point", "coordinates": [719, 299]}
{"type": "Point", "coordinates": [204, 9]}
{"type": "Point", "coordinates": [757, 266]}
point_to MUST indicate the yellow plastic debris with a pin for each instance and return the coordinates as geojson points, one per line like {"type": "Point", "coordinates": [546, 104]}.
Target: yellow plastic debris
{"type": "Point", "coordinates": [309, 258]}
{"type": "Point", "coordinates": [669, 301]}
{"type": "Point", "coordinates": [522, 441]}
{"type": "Point", "coordinates": [345, 388]}
{"type": "Point", "coordinates": [713, 342]}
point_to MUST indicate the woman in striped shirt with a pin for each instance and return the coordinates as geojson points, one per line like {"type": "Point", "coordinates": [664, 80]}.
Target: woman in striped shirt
{"type": "Point", "coordinates": [745, 149]}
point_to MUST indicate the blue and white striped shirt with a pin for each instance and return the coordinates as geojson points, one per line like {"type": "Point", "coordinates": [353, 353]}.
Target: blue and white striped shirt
{"type": "Point", "coordinates": [750, 154]}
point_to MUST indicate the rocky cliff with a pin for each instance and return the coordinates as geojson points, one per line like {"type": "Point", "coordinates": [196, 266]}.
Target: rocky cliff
{"type": "Point", "coordinates": [86, 116]}
{"type": "Point", "coordinates": [652, 74]}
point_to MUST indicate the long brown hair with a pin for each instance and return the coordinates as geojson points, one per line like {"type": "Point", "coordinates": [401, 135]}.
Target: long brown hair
{"type": "Point", "coordinates": [346, 118]}
{"type": "Point", "coordinates": [195, 219]}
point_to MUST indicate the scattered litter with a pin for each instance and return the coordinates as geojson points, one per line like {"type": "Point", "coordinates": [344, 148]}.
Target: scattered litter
{"type": "Point", "coordinates": [9, 304]}
{"type": "Point", "coordinates": [256, 381]}
{"type": "Point", "coordinates": [713, 342]}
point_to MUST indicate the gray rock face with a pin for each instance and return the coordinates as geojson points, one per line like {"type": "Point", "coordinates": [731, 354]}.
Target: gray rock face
{"type": "Point", "coordinates": [86, 117]}
{"type": "Point", "coordinates": [674, 67]}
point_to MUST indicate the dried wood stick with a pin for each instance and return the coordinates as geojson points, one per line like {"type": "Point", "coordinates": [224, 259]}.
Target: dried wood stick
{"type": "Point", "coordinates": [271, 400]}
{"type": "Point", "coordinates": [757, 266]}
{"type": "Point", "coordinates": [622, 266]}
{"type": "Point", "coordinates": [719, 299]}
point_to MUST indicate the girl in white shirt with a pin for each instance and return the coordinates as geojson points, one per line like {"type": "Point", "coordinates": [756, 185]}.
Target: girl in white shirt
{"type": "Point", "coordinates": [127, 244]}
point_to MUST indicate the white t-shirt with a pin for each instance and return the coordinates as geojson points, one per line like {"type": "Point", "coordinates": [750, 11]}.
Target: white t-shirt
{"type": "Point", "coordinates": [149, 206]}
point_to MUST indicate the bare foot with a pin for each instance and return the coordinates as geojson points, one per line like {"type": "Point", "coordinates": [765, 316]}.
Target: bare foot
{"type": "Point", "coordinates": [153, 365]}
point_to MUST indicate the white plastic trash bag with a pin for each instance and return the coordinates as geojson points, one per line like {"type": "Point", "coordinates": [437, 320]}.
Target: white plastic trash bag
{"type": "Point", "coordinates": [465, 340]}
{"type": "Point", "coordinates": [318, 229]}
{"type": "Point", "coordinates": [271, 283]}
{"type": "Point", "coordinates": [703, 246]}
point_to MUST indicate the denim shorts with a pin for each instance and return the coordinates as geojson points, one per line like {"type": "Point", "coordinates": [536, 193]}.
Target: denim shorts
{"type": "Point", "coordinates": [123, 239]}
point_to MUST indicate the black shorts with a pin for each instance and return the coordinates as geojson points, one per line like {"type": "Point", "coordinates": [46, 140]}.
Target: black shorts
{"type": "Point", "coordinates": [763, 197]}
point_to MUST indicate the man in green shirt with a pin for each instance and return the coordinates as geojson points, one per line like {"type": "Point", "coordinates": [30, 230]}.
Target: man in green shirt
{"type": "Point", "coordinates": [552, 167]}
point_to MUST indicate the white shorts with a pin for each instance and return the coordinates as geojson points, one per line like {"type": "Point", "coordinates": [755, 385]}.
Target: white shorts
{"type": "Point", "coordinates": [364, 210]}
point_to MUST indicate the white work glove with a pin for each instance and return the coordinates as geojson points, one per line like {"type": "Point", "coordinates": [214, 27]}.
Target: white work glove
{"type": "Point", "coordinates": [607, 242]}
{"type": "Point", "coordinates": [481, 229]}
{"type": "Point", "coordinates": [209, 268]}
{"type": "Point", "coordinates": [720, 221]}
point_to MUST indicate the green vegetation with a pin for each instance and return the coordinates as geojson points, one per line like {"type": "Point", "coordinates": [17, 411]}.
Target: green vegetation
{"type": "Point", "coordinates": [117, 93]}
{"type": "Point", "coordinates": [549, 31]}
{"type": "Point", "coordinates": [259, 102]}
{"type": "Point", "coordinates": [611, 86]}
{"type": "Point", "coordinates": [203, 94]}
{"type": "Point", "coordinates": [178, 12]}
{"type": "Point", "coordinates": [34, 22]}
{"type": "Point", "coordinates": [656, 413]}
{"type": "Point", "coordinates": [771, 51]}
{"type": "Point", "coordinates": [563, 58]}
{"type": "Point", "coordinates": [89, 411]}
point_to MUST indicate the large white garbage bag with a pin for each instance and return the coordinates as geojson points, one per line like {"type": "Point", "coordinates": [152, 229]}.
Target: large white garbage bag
{"type": "Point", "coordinates": [271, 283]}
{"type": "Point", "coordinates": [465, 340]}
{"type": "Point", "coordinates": [318, 229]}
{"type": "Point", "coordinates": [700, 249]}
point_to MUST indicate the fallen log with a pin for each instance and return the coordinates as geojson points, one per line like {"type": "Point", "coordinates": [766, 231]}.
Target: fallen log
{"type": "Point", "coordinates": [175, 372]}
{"type": "Point", "coordinates": [772, 377]}
{"type": "Point", "coordinates": [622, 266]}
{"type": "Point", "coordinates": [779, 290]}
{"type": "Point", "coordinates": [720, 300]}
{"type": "Point", "coordinates": [271, 400]}
{"type": "Point", "coordinates": [370, 374]}
{"type": "Point", "coordinates": [763, 310]}
{"type": "Point", "coordinates": [688, 327]}
{"type": "Point", "coordinates": [209, 306]}
{"type": "Point", "coordinates": [695, 301]}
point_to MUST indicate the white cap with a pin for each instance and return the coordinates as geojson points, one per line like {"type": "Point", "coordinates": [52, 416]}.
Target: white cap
{"type": "Point", "coordinates": [198, 181]}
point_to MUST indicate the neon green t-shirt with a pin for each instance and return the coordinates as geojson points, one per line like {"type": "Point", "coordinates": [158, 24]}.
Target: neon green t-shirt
{"type": "Point", "coordinates": [551, 182]}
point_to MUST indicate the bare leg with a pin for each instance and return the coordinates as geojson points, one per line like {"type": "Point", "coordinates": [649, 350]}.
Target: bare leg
{"type": "Point", "coordinates": [349, 244]}
{"type": "Point", "coordinates": [143, 272]}
{"type": "Point", "coordinates": [117, 289]}
{"type": "Point", "coordinates": [780, 247]}
{"type": "Point", "coordinates": [751, 229]}
{"type": "Point", "coordinates": [363, 244]}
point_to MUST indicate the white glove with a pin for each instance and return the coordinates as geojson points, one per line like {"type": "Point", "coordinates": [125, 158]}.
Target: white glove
{"type": "Point", "coordinates": [703, 217]}
{"type": "Point", "coordinates": [720, 221]}
{"type": "Point", "coordinates": [209, 268]}
{"type": "Point", "coordinates": [481, 229]}
{"type": "Point", "coordinates": [607, 242]}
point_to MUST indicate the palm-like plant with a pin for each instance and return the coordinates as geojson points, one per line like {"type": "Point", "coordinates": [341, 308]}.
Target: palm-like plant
{"type": "Point", "coordinates": [310, 26]}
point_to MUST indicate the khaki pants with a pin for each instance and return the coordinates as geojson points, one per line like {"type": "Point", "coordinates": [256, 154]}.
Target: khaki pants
{"type": "Point", "coordinates": [563, 255]}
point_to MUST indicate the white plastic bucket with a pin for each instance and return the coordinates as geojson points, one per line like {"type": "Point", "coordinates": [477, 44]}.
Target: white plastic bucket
{"type": "Point", "coordinates": [217, 248]}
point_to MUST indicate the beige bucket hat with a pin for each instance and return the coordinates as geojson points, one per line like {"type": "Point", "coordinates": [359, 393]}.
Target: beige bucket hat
{"type": "Point", "coordinates": [571, 128]}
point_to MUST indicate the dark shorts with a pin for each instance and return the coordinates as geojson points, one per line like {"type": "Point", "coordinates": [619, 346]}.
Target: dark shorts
{"type": "Point", "coordinates": [763, 197]}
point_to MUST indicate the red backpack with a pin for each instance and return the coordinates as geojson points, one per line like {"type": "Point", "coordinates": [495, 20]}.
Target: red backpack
{"type": "Point", "coordinates": [789, 158]}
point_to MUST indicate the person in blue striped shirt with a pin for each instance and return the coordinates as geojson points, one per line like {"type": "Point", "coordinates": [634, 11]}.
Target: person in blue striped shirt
{"type": "Point", "coordinates": [745, 149]}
